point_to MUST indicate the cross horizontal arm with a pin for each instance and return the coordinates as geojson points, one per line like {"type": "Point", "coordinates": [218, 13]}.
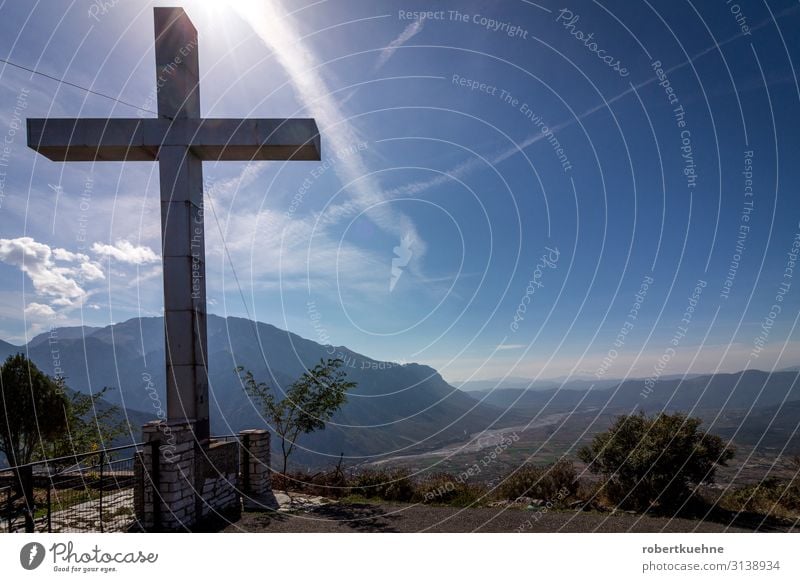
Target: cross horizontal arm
{"type": "Point", "coordinates": [119, 139]}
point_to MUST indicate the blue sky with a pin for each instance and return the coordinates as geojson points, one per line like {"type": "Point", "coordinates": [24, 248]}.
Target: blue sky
{"type": "Point", "coordinates": [524, 168]}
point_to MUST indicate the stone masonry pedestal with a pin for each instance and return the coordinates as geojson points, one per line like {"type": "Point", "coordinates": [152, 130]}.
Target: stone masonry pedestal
{"type": "Point", "coordinates": [255, 473]}
{"type": "Point", "coordinates": [167, 500]}
{"type": "Point", "coordinates": [179, 483]}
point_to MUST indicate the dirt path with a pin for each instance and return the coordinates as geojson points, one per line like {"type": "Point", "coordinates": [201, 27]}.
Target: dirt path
{"type": "Point", "coordinates": [367, 517]}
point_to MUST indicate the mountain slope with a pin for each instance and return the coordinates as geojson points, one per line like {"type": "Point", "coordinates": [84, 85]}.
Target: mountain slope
{"type": "Point", "coordinates": [392, 409]}
{"type": "Point", "coordinates": [7, 349]}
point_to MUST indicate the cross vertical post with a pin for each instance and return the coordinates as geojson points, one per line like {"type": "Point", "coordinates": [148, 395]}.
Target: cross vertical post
{"type": "Point", "coordinates": [182, 225]}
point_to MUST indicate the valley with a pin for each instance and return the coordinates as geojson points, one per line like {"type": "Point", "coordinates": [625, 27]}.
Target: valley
{"type": "Point", "coordinates": [408, 415]}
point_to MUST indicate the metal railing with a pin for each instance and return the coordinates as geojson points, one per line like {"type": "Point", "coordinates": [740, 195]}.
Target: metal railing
{"type": "Point", "coordinates": [5, 495]}
{"type": "Point", "coordinates": [96, 491]}
{"type": "Point", "coordinates": [87, 492]}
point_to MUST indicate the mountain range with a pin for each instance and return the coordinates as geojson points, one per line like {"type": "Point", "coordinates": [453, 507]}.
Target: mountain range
{"type": "Point", "coordinates": [753, 408]}
{"type": "Point", "coordinates": [392, 409]}
{"type": "Point", "coordinates": [717, 392]}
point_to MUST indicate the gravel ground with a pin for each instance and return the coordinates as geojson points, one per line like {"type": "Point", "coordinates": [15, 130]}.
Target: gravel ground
{"type": "Point", "coordinates": [367, 517]}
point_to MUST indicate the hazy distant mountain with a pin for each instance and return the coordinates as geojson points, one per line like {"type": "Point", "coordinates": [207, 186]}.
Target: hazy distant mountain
{"type": "Point", "coordinates": [752, 407]}
{"type": "Point", "coordinates": [717, 392]}
{"type": "Point", "coordinates": [510, 382]}
{"type": "Point", "coordinates": [393, 408]}
{"type": "Point", "coordinates": [573, 383]}
{"type": "Point", "coordinates": [515, 383]}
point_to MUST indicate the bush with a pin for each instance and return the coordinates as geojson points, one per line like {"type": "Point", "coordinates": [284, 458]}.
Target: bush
{"type": "Point", "coordinates": [389, 485]}
{"type": "Point", "coordinates": [772, 496]}
{"type": "Point", "coordinates": [655, 461]}
{"type": "Point", "coordinates": [447, 489]}
{"type": "Point", "coordinates": [592, 491]}
{"type": "Point", "coordinates": [555, 483]}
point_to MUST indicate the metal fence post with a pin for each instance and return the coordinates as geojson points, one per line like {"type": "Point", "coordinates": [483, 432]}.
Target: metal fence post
{"type": "Point", "coordinates": [10, 508]}
{"type": "Point", "coordinates": [49, 508]}
{"type": "Point", "coordinates": [26, 485]}
{"type": "Point", "coordinates": [52, 493]}
{"type": "Point", "coordinates": [100, 486]}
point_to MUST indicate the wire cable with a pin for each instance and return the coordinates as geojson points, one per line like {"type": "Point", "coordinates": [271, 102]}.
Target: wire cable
{"type": "Point", "coordinates": [71, 84]}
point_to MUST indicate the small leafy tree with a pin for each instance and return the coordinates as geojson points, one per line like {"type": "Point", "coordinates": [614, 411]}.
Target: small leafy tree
{"type": "Point", "coordinates": [32, 410]}
{"type": "Point", "coordinates": [655, 461]}
{"type": "Point", "coordinates": [91, 424]}
{"type": "Point", "coordinates": [40, 418]}
{"type": "Point", "coordinates": [307, 404]}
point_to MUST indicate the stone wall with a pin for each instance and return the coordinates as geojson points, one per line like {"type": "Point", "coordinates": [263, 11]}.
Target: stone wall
{"type": "Point", "coordinates": [171, 500]}
{"type": "Point", "coordinates": [256, 471]}
{"type": "Point", "coordinates": [195, 483]}
{"type": "Point", "coordinates": [217, 470]}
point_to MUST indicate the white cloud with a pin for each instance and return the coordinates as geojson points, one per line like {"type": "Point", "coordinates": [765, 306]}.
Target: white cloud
{"type": "Point", "coordinates": [279, 32]}
{"type": "Point", "coordinates": [62, 283]}
{"type": "Point", "coordinates": [410, 31]}
{"type": "Point", "coordinates": [65, 255]}
{"type": "Point", "coordinates": [91, 271]}
{"type": "Point", "coordinates": [271, 250]}
{"type": "Point", "coordinates": [39, 310]}
{"type": "Point", "coordinates": [126, 252]}
{"type": "Point", "coordinates": [146, 275]}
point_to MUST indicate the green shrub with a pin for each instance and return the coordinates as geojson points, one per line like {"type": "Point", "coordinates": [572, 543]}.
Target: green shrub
{"type": "Point", "coordinates": [388, 484]}
{"type": "Point", "coordinates": [556, 483]}
{"type": "Point", "coordinates": [591, 490]}
{"type": "Point", "coordinates": [772, 496]}
{"type": "Point", "coordinates": [447, 489]}
{"type": "Point", "coordinates": [655, 461]}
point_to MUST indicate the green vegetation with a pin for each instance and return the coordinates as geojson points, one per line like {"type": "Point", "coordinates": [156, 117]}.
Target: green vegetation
{"type": "Point", "coordinates": [307, 404]}
{"type": "Point", "coordinates": [548, 482]}
{"type": "Point", "coordinates": [400, 486]}
{"type": "Point", "coordinates": [654, 462]}
{"type": "Point", "coordinates": [664, 464]}
{"type": "Point", "coordinates": [34, 410]}
{"type": "Point", "coordinates": [40, 418]}
{"type": "Point", "coordinates": [389, 485]}
{"type": "Point", "coordinates": [62, 499]}
{"type": "Point", "coordinates": [772, 496]}
{"type": "Point", "coordinates": [91, 425]}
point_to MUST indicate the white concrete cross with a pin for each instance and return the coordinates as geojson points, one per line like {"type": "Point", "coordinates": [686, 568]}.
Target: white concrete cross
{"type": "Point", "coordinates": [179, 139]}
